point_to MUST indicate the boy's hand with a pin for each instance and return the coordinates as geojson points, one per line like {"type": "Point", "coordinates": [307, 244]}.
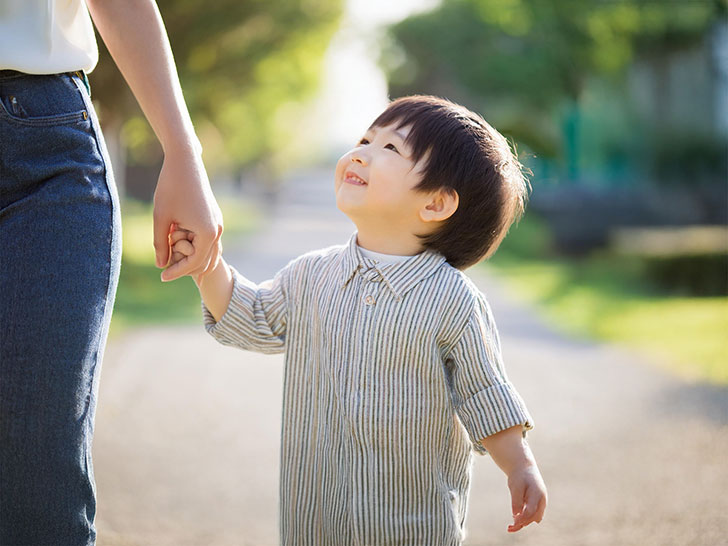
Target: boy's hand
{"type": "Point", "coordinates": [511, 453]}
{"type": "Point", "coordinates": [528, 497]}
{"type": "Point", "coordinates": [181, 248]}
{"type": "Point", "coordinates": [217, 288]}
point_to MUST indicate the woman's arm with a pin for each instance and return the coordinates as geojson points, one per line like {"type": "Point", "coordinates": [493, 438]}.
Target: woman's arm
{"type": "Point", "coordinates": [135, 36]}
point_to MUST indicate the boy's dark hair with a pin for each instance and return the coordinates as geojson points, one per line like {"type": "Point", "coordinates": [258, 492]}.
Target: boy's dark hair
{"type": "Point", "coordinates": [467, 155]}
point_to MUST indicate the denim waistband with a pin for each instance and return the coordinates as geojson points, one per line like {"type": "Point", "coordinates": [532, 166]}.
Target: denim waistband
{"type": "Point", "coordinates": [12, 74]}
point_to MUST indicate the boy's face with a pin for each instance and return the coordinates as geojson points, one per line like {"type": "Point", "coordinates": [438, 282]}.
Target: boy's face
{"type": "Point", "coordinates": [375, 180]}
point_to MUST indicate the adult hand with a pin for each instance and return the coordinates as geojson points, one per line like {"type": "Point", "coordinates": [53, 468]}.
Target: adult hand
{"type": "Point", "coordinates": [183, 197]}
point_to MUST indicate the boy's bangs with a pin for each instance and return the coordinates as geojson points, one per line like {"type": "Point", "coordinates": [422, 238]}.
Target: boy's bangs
{"type": "Point", "coordinates": [428, 121]}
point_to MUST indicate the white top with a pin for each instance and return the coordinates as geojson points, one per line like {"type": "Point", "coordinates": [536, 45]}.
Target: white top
{"type": "Point", "coordinates": [46, 36]}
{"type": "Point", "coordinates": [383, 258]}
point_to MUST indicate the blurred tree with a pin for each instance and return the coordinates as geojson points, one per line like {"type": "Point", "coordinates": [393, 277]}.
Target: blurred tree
{"type": "Point", "coordinates": [242, 63]}
{"type": "Point", "coordinates": [532, 59]}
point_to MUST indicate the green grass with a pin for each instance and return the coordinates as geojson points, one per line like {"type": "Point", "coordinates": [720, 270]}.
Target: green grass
{"type": "Point", "coordinates": [142, 298]}
{"type": "Point", "coordinates": [607, 298]}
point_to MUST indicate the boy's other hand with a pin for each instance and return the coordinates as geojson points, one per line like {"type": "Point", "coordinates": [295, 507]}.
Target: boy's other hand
{"type": "Point", "coordinates": [528, 497]}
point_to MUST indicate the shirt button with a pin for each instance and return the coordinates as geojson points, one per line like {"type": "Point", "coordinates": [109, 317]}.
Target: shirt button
{"type": "Point", "coordinates": [369, 300]}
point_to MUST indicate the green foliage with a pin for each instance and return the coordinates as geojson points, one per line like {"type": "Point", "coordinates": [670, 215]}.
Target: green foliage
{"type": "Point", "coordinates": [611, 298]}
{"type": "Point", "coordinates": [241, 63]}
{"type": "Point", "coordinates": [698, 274]}
{"type": "Point", "coordinates": [518, 61]}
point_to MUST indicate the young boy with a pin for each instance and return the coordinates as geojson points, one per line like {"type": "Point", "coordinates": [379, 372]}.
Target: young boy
{"type": "Point", "coordinates": [393, 373]}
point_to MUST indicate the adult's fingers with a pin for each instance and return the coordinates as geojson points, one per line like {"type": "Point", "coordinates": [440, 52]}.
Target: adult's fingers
{"type": "Point", "coordinates": [162, 228]}
{"type": "Point", "coordinates": [214, 254]}
{"type": "Point", "coordinates": [177, 269]}
{"type": "Point", "coordinates": [179, 235]}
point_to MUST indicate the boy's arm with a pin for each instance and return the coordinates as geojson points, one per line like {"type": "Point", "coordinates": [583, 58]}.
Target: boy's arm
{"type": "Point", "coordinates": [135, 36]}
{"type": "Point", "coordinates": [511, 453]}
{"type": "Point", "coordinates": [216, 289]}
{"type": "Point", "coordinates": [237, 312]}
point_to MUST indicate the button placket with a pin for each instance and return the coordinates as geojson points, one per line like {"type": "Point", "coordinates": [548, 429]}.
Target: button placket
{"type": "Point", "coordinates": [372, 279]}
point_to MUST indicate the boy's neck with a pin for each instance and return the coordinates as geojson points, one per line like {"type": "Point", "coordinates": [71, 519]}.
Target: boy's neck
{"type": "Point", "coordinates": [387, 243]}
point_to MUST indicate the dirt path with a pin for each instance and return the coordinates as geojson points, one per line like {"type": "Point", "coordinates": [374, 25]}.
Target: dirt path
{"type": "Point", "coordinates": [186, 447]}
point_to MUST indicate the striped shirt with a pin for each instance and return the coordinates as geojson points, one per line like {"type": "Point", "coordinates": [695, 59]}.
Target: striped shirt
{"type": "Point", "coordinates": [393, 375]}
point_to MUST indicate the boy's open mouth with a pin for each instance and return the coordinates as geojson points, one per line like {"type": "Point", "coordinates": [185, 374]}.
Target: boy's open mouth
{"type": "Point", "coordinates": [353, 178]}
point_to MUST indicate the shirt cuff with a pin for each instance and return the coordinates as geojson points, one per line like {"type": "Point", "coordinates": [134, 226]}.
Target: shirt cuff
{"type": "Point", "coordinates": [492, 410]}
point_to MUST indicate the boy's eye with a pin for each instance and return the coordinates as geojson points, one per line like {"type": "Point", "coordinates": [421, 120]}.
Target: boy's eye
{"type": "Point", "coordinates": [363, 141]}
{"type": "Point", "coordinates": [392, 147]}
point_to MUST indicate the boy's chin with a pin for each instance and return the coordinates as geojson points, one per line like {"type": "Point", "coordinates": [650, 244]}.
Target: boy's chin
{"type": "Point", "coordinates": [349, 209]}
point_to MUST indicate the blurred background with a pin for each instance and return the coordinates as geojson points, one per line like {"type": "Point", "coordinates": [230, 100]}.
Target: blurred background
{"type": "Point", "coordinates": [619, 109]}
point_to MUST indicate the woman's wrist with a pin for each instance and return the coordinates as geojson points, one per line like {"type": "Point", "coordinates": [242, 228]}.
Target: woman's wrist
{"type": "Point", "coordinates": [184, 147]}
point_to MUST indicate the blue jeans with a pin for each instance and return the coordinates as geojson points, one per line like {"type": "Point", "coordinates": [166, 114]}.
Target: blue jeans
{"type": "Point", "coordinates": [60, 251]}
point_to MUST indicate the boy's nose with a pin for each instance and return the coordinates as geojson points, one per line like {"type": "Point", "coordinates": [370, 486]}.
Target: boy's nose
{"type": "Point", "coordinates": [358, 158]}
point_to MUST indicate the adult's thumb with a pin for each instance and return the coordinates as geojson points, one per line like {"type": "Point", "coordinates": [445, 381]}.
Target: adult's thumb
{"type": "Point", "coordinates": [162, 225]}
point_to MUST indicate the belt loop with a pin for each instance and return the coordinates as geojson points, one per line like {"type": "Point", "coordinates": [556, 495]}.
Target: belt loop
{"type": "Point", "coordinates": [81, 74]}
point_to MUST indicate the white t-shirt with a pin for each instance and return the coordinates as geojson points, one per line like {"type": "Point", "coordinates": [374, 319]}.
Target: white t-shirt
{"type": "Point", "coordinates": [46, 36]}
{"type": "Point", "coordinates": [384, 258]}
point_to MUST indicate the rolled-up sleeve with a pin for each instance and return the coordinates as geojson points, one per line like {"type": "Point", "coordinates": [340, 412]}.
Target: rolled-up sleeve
{"type": "Point", "coordinates": [485, 401]}
{"type": "Point", "coordinates": [255, 319]}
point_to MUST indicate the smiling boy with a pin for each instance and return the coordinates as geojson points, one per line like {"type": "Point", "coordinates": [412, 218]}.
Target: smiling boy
{"type": "Point", "coordinates": [393, 368]}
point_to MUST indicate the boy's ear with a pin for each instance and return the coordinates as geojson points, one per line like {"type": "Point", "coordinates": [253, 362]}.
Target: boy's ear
{"type": "Point", "coordinates": [441, 205]}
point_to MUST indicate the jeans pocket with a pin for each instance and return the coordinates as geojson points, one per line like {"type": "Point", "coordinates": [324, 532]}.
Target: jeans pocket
{"type": "Point", "coordinates": [42, 101]}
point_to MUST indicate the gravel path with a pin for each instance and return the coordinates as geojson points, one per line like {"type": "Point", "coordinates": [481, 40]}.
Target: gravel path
{"type": "Point", "coordinates": [186, 449]}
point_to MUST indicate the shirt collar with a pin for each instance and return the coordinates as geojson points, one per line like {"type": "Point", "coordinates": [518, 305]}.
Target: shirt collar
{"type": "Point", "coordinates": [398, 277]}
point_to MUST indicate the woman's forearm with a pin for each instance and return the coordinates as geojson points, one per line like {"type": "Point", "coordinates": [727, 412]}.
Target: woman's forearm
{"type": "Point", "coordinates": [135, 36]}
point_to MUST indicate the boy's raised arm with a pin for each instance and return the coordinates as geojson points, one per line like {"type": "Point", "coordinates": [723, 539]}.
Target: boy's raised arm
{"type": "Point", "coordinates": [216, 286]}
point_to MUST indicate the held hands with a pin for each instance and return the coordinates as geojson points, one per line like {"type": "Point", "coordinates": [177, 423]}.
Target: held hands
{"type": "Point", "coordinates": [183, 197]}
{"type": "Point", "coordinates": [216, 284]}
{"type": "Point", "coordinates": [181, 249]}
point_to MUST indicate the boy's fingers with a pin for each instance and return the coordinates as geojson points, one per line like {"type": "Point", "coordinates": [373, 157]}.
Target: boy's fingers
{"type": "Point", "coordinates": [538, 517]}
{"type": "Point", "coordinates": [532, 511]}
{"type": "Point", "coordinates": [179, 235]}
{"type": "Point", "coordinates": [183, 247]}
{"type": "Point", "coordinates": [518, 494]}
{"type": "Point", "coordinates": [193, 264]}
